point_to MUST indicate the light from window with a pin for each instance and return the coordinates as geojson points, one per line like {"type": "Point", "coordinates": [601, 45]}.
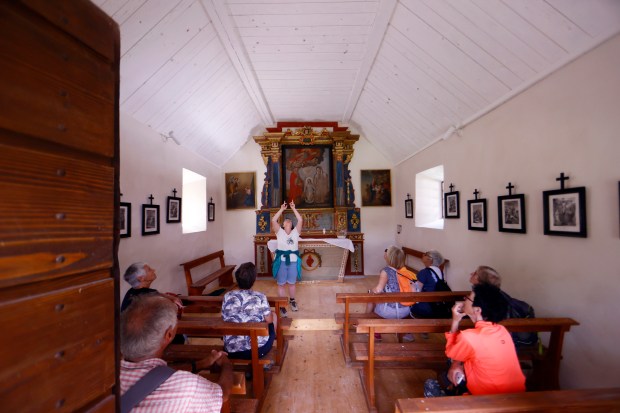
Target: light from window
{"type": "Point", "coordinates": [428, 198]}
{"type": "Point", "coordinates": [194, 205]}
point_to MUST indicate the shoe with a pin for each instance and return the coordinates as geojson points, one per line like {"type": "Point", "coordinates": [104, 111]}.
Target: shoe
{"type": "Point", "coordinates": [378, 337]}
{"type": "Point", "coordinates": [282, 312]}
{"type": "Point", "coordinates": [293, 304]}
{"type": "Point", "coordinates": [408, 338]}
{"type": "Point", "coordinates": [433, 389]}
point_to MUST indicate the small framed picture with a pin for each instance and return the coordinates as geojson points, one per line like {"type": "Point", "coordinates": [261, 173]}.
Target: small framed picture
{"type": "Point", "coordinates": [174, 210]}
{"type": "Point", "coordinates": [124, 217]}
{"type": "Point", "coordinates": [564, 212]}
{"type": "Point", "coordinates": [211, 211]}
{"type": "Point", "coordinates": [408, 208]}
{"type": "Point", "coordinates": [477, 214]}
{"type": "Point", "coordinates": [150, 219]}
{"type": "Point", "coordinates": [511, 213]}
{"type": "Point", "coordinates": [376, 187]}
{"type": "Point", "coordinates": [451, 205]}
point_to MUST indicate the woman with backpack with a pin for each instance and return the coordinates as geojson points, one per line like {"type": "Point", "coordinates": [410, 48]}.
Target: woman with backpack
{"type": "Point", "coordinates": [427, 280]}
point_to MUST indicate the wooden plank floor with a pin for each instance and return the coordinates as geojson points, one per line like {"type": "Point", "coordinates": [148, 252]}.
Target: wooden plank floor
{"type": "Point", "coordinates": [314, 377]}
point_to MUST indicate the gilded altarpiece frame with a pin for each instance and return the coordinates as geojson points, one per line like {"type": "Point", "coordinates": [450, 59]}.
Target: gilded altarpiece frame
{"type": "Point", "coordinates": [317, 154]}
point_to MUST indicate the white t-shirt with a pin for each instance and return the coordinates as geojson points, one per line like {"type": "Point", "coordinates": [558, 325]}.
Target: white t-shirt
{"type": "Point", "coordinates": [288, 242]}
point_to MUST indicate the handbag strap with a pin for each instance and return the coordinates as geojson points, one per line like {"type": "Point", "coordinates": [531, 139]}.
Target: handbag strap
{"type": "Point", "coordinates": [145, 386]}
{"type": "Point", "coordinates": [436, 275]}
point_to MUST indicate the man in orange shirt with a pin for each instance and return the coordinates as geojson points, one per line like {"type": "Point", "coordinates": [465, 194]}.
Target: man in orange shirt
{"type": "Point", "coordinates": [484, 356]}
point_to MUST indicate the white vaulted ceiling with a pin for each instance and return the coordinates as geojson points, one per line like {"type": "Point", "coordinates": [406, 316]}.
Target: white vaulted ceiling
{"type": "Point", "coordinates": [403, 73]}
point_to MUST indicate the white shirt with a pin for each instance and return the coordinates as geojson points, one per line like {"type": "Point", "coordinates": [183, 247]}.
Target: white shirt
{"type": "Point", "coordinates": [288, 242]}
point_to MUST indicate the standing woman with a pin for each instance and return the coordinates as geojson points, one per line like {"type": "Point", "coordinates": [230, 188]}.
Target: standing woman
{"type": "Point", "coordinates": [287, 262]}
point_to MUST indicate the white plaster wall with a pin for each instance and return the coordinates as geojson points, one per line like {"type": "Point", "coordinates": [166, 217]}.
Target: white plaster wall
{"type": "Point", "coordinates": [151, 166]}
{"type": "Point", "coordinates": [240, 224]}
{"type": "Point", "coordinates": [567, 123]}
{"type": "Point", "coordinates": [377, 222]}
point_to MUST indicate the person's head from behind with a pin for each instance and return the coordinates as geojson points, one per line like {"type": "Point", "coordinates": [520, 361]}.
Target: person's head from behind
{"type": "Point", "coordinates": [139, 275]}
{"type": "Point", "coordinates": [432, 258]}
{"type": "Point", "coordinates": [147, 327]}
{"type": "Point", "coordinates": [485, 275]}
{"type": "Point", "coordinates": [487, 301]}
{"type": "Point", "coordinates": [246, 275]}
{"type": "Point", "coordinates": [394, 257]}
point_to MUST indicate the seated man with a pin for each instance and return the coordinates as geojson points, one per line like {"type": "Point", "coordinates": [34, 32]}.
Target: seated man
{"type": "Point", "coordinates": [148, 326]}
{"type": "Point", "coordinates": [484, 356]}
{"type": "Point", "coordinates": [140, 276]}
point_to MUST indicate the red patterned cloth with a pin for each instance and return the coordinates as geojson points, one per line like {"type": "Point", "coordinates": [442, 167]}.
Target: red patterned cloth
{"type": "Point", "coordinates": [181, 392]}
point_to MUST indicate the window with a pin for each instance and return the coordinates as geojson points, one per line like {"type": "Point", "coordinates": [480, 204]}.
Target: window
{"type": "Point", "coordinates": [194, 206]}
{"type": "Point", "coordinates": [429, 198]}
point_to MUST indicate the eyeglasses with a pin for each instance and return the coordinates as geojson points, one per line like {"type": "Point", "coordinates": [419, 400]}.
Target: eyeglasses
{"type": "Point", "coordinates": [467, 298]}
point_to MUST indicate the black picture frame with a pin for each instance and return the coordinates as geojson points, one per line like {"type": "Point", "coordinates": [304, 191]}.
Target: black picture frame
{"type": "Point", "coordinates": [451, 205]}
{"type": "Point", "coordinates": [211, 211]}
{"type": "Point", "coordinates": [150, 219]}
{"type": "Point", "coordinates": [124, 217]}
{"type": "Point", "coordinates": [564, 212]}
{"type": "Point", "coordinates": [511, 213]}
{"type": "Point", "coordinates": [173, 210]}
{"type": "Point", "coordinates": [477, 214]}
{"type": "Point", "coordinates": [408, 208]}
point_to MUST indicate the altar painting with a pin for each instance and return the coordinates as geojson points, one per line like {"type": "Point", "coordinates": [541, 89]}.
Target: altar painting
{"type": "Point", "coordinates": [307, 176]}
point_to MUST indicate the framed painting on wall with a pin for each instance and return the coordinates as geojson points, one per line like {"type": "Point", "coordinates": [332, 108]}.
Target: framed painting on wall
{"type": "Point", "coordinates": [307, 176]}
{"type": "Point", "coordinates": [150, 219]}
{"type": "Point", "coordinates": [240, 190]}
{"type": "Point", "coordinates": [376, 187]}
{"type": "Point", "coordinates": [451, 205]}
{"type": "Point", "coordinates": [125, 219]}
{"type": "Point", "coordinates": [564, 212]}
{"type": "Point", "coordinates": [511, 213]}
{"type": "Point", "coordinates": [477, 214]}
{"type": "Point", "coordinates": [173, 212]}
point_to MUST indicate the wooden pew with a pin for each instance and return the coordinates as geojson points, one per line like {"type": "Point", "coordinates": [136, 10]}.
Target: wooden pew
{"type": "Point", "coordinates": [223, 274]}
{"type": "Point", "coordinates": [423, 355]}
{"type": "Point", "coordinates": [215, 327]}
{"type": "Point", "coordinates": [565, 401]}
{"type": "Point", "coordinates": [213, 304]}
{"type": "Point", "coordinates": [348, 319]}
{"type": "Point", "coordinates": [418, 254]}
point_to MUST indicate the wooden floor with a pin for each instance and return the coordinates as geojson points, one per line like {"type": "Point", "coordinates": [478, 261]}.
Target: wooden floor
{"type": "Point", "coordinates": [314, 377]}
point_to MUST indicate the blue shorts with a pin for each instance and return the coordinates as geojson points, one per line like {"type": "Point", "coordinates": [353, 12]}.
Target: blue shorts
{"type": "Point", "coordinates": [287, 273]}
{"type": "Point", "coordinates": [383, 310]}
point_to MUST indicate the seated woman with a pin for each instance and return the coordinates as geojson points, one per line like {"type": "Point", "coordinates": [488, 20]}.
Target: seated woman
{"type": "Point", "coordinates": [427, 278]}
{"type": "Point", "coordinates": [245, 305]}
{"type": "Point", "coordinates": [388, 283]}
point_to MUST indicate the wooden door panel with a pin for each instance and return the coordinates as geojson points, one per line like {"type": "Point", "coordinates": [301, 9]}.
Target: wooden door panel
{"type": "Point", "coordinates": [58, 348]}
{"type": "Point", "coordinates": [64, 114]}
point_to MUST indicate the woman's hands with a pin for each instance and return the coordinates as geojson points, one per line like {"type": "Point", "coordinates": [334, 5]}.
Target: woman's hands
{"type": "Point", "coordinates": [292, 204]}
{"type": "Point", "coordinates": [283, 206]}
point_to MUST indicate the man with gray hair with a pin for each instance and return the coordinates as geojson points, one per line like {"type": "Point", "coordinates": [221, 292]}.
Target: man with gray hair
{"type": "Point", "coordinates": [148, 326]}
{"type": "Point", "coordinates": [140, 276]}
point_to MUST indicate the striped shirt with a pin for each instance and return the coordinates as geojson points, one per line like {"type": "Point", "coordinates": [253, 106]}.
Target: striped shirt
{"type": "Point", "coordinates": [181, 392]}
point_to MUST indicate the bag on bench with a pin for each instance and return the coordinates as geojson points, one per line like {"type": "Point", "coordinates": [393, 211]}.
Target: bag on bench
{"type": "Point", "coordinates": [521, 309]}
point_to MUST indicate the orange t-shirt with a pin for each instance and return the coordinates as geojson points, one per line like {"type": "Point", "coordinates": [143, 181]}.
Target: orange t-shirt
{"type": "Point", "coordinates": [490, 358]}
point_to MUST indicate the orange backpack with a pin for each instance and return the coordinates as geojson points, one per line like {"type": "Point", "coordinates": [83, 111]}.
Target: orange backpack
{"type": "Point", "coordinates": [405, 277]}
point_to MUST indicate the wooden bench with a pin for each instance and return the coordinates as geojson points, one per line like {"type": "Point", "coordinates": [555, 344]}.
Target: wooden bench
{"type": "Point", "coordinates": [215, 327]}
{"type": "Point", "coordinates": [424, 355]}
{"type": "Point", "coordinates": [349, 319]}
{"type": "Point", "coordinates": [210, 304]}
{"type": "Point", "coordinates": [565, 401]}
{"type": "Point", "coordinates": [418, 254]}
{"type": "Point", "coordinates": [223, 274]}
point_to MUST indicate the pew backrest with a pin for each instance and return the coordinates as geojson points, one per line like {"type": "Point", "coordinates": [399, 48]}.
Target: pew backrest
{"type": "Point", "coordinates": [566, 401]}
{"type": "Point", "coordinates": [223, 274]}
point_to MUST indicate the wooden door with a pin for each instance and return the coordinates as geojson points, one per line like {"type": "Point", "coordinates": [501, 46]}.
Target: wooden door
{"type": "Point", "coordinates": [59, 65]}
